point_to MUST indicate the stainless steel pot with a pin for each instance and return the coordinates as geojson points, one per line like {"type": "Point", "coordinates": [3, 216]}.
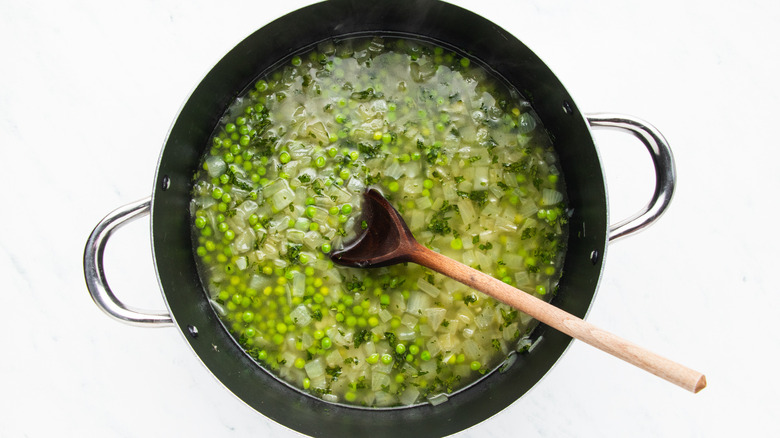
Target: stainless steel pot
{"type": "Point", "coordinates": [431, 20]}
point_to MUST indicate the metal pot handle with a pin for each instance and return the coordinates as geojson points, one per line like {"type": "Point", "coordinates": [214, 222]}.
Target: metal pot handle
{"type": "Point", "coordinates": [663, 162]}
{"type": "Point", "coordinates": [96, 278]}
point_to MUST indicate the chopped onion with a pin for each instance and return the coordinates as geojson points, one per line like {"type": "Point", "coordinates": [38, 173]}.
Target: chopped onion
{"type": "Point", "coordinates": [437, 399]}
{"type": "Point", "coordinates": [481, 179]}
{"type": "Point", "coordinates": [435, 316]}
{"type": "Point", "coordinates": [378, 380]}
{"type": "Point", "coordinates": [551, 197]}
{"type": "Point", "coordinates": [467, 212]}
{"type": "Point", "coordinates": [417, 302]}
{"type": "Point", "coordinates": [409, 321]}
{"type": "Point", "coordinates": [314, 368]}
{"type": "Point", "coordinates": [333, 398]}
{"type": "Point", "coordinates": [428, 288]}
{"type": "Point", "coordinates": [406, 334]}
{"type": "Point", "coordinates": [409, 396]}
{"type": "Point", "coordinates": [299, 286]}
{"type": "Point", "coordinates": [216, 166]}
{"type": "Point", "coordinates": [384, 399]}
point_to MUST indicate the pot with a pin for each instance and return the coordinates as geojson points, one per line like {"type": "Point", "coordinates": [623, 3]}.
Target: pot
{"type": "Point", "coordinates": [431, 20]}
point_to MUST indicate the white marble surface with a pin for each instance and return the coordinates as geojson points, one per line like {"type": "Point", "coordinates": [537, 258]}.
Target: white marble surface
{"type": "Point", "coordinates": [88, 90]}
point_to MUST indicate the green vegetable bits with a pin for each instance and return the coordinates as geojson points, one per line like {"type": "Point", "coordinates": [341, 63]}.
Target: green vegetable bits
{"type": "Point", "coordinates": [464, 160]}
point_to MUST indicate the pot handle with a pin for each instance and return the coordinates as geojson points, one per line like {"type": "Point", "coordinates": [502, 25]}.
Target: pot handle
{"type": "Point", "coordinates": [96, 278]}
{"type": "Point", "coordinates": [663, 162]}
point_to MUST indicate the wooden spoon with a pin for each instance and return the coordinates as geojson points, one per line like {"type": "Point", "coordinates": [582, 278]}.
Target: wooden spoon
{"type": "Point", "coordinates": [387, 240]}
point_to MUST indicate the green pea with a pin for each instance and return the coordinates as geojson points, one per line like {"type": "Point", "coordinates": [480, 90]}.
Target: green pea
{"type": "Point", "coordinates": [285, 157]}
{"type": "Point", "coordinates": [386, 359]}
{"type": "Point", "coordinates": [372, 359]}
{"type": "Point", "coordinates": [400, 348]}
{"type": "Point", "coordinates": [414, 349]}
{"type": "Point", "coordinates": [325, 343]}
{"type": "Point", "coordinates": [325, 248]}
{"type": "Point", "coordinates": [475, 366]}
{"type": "Point", "coordinates": [320, 161]}
{"type": "Point", "coordinates": [425, 355]}
{"type": "Point", "coordinates": [346, 209]}
{"type": "Point", "coordinates": [248, 316]}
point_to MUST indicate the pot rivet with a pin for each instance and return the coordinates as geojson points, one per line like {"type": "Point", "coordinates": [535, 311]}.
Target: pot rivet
{"type": "Point", "coordinates": [193, 331]}
{"type": "Point", "coordinates": [166, 182]}
{"type": "Point", "coordinates": [594, 257]}
{"type": "Point", "coordinates": [567, 107]}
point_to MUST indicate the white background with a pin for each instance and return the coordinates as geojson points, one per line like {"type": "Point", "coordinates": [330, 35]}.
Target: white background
{"type": "Point", "coordinates": [88, 90]}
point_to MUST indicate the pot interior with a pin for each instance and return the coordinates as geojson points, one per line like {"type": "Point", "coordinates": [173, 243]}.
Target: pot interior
{"type": "Point", "coordinates": [428, 20]}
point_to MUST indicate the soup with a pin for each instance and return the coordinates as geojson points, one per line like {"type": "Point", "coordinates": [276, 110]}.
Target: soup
{"type": "Point", "coordinates": [462, 157]}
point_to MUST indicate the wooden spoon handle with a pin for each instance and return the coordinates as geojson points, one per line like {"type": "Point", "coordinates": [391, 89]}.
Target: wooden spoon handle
{"type": "Point", "coordinates": [561, 320]}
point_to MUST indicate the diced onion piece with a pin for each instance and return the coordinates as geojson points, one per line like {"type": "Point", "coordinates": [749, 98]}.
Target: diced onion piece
{"type": "Point", "coordinates": [283, 195]}
{"type": "Point", "coordinates": [406, 334]}
{"type": "Point", "coordinates": [409, 321]}
{"type": "Point", "coordinates": [314, 368]}
{"type": "Point", "coordinates": [433, 346]}
{"type": "Point", "coordinates": [428, 288]}
{"type": "Point", "coordinates": [481, 179]}
{"type": "Point", "coordinates": [334, 358]}
{"type": "Point", "coordinates": [333, 398]}
{"type": "Point", "coordinates": [437, 399]}
{"type": "Point", "coordinates": [216, 166]}
{"type": "Point", "coordinates": [471, 349]}
{"type": "Point", "coordinates": [378, 380]}
{"type": "Point", "coordinates": [299, 286]}
{"type": "Point", "coordinates": [423, 203]}
{"type": "Point", "coordinates": [246, 208]}
{"type": "Point", "coordinates": [467, 212]}
{"type": "Point", "coordinates": [384, 399]}
{"type": "Point", "coordinates": [218, 307]}
{"type": "Point", "coordinates": [385, 315]}
{"type": "Point", "coordinates": [409, 396]}
{"type": "Point", "coordinates": [551, 197]}
{"type": "Point", "coordinates": [417, 302]}
{"type": "Point", "coordinates": [435, 316]}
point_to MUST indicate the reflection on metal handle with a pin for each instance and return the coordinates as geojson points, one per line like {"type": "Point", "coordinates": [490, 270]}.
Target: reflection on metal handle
{"type": "Point", "coordinates": [663, 162]}
{"type": "Point", "coordinates": [96, 278]}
